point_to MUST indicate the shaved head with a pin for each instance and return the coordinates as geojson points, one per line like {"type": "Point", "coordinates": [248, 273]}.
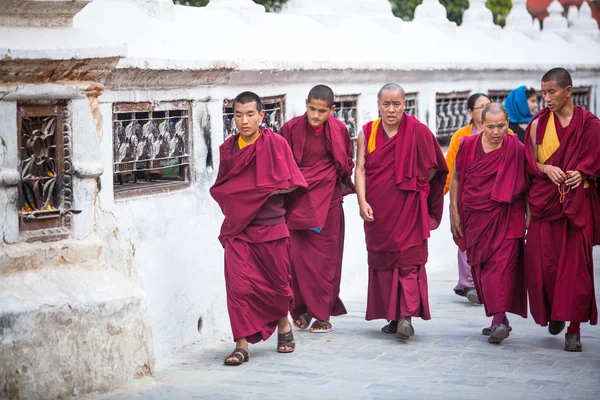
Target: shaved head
{"type": "Point", "coordinates": [391, 87]}
{"type": "Point", "coordinates": [493, 109]}
{"type": "Point", "coordinates": [559, 75]}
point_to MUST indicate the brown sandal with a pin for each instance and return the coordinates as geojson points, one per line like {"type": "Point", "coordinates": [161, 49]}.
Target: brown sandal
{"type": "Point", "coordinates": [321, 327]}
{"type": "Point", "coordinates": [286, 340]}
{"type": "Point", "coordinates": [241, 356]}
{"type": "Point", "coordinates": [303, 321]}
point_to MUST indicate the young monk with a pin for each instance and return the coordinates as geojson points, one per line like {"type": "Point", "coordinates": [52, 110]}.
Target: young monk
{"type": "Point", "coordinates": [563, 161]}
{"type": "Point", "coordinates": [400, 176]}
{"type": "Point", "coordinates": [323, 150]}
{"type": "Point", "coordinates": [256, 170]}
{"type": "Point", "coordinates": [487, 214]}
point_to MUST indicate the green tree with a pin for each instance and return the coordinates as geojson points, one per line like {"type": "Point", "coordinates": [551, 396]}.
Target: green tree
{"type": "Point", "coordinates": [270, 5]}
{"type": "Point", "coordinates": [455, 9]}
{"type": "Point", "coordinates": [404, 9]}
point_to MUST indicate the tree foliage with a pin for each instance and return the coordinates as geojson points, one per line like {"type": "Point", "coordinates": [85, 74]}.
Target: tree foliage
{"type": "Point", "coordinates": [404, 9]}
{"type": "Point", "coordinates": [270, 5]}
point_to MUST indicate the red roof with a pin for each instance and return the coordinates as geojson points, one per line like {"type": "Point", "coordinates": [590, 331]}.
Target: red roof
{"type": "Point", "coordinates": [537, 8]}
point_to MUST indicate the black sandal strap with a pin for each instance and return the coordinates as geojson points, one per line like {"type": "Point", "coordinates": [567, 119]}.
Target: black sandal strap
{"type": "Point", "coordinates": [306, 319]}
{"type": "Point", "coordinates": [240, 354]}
{"type": "Point", "coordinates": [286, 340]}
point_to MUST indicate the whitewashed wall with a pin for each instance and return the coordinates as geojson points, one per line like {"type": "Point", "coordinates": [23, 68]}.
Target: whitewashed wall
{"type": "Point", "coordinates": [168, 242]}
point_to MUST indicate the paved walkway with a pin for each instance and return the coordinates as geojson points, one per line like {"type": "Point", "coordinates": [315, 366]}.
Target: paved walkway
{"type": "Point", "coordinates": [447, 359]}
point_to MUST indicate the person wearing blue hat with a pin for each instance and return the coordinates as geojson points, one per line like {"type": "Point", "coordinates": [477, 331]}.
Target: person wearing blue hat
{"type": "Point", "coordinates": [521, 105]}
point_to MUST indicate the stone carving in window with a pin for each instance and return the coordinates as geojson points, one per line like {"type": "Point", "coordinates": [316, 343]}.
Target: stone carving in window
{"type": "Point", "coordinates": [581, 96]}
{"type": "Point", "coordinates": [45, 194]}
{"type": "Point", "coordinates": [451, 114]}
{"type": "Point", "coordinates": [274, 119]}
{"type": "Point", "coordinates": [151, 147]}
{"type": "Point", "coordinates": [347, 112]}
{"type": "Point", "coordinates": [412, 104]}
{"type": "Point", "coordinates": [498, 96]}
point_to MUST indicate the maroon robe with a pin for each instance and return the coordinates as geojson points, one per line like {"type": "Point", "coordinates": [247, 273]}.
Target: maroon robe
{"type": "Point", "coordinates": [325, 159]}
{"type": "Point", "coordinates": [405, 208]}
{"type": "Point", "coordinates": [492, 214]}
{"type": "Point", "coordinates": [254, 233]}
{"type": "Point", "coordinates": [558, 251]}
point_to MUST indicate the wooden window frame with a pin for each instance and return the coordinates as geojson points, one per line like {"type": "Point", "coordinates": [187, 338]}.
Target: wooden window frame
{"type": "Point", "coordinates": [462, 95]}
{"type": "Point", "coordinates": [185, 169]}
{"type": "Point", "coordinates": [55, 222]}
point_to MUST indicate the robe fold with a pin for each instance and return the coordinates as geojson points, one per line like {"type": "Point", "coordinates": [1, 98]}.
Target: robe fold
{"type": "Point", "coordinates": [317, 222]}
{"type": "Point", "coordinates": [254, 233]}
{"type": "Point", "coordinates": [558, 251]}
{"type": "Point", "coordinates": [406, 206]}
{"type": "Point", "coordinates": [492, 213]}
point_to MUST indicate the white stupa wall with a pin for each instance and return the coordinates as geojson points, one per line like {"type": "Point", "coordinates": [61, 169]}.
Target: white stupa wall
{"type": "Point", "coordinates": [167, 243]}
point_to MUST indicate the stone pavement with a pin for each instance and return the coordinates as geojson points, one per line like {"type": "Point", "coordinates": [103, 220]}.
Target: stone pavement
{"type": "Point", "coordinates": [447, 359]}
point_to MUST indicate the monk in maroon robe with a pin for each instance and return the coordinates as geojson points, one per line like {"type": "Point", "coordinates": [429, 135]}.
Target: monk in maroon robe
{"type": "Point", "coordinates": [256, 171]}
{"type": "Point", "coordinates": [563, 162]}
{"type": "Point", "coordinates": [400, 178]}
{"type": "Point", "coordinates": [487, 213]}
{"type": "Point", "coordinates": [323, 150]}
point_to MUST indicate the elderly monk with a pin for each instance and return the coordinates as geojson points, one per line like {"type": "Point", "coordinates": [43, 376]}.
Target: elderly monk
{"type": "Point", "coordinates": [475, 103]}
{"type": "Point", "coordinates": [256, 171]}
{"type": "Point", "coordinates": [487, 214]}
{"type": "Point", "coordinates": [562, 147]}
{"type": "Point", "coordinates": [323, 151]}
{"type": "Point", "coordinates": [400, 176]}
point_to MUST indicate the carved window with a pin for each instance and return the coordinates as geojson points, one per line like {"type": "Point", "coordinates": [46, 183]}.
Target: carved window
{"type": "Point", "coordinates": [451, 114]}
{"type": "Point", "coordinates": [582, 96]}
{"type": "Point", "coordinates": [274, 119]}
{"type": "Point", "coordinates": [412, 104]}
{"type": "Point", "coordinates": [151, 147]}
{"type": "Point", "coordinates": [498, 96]}
{"type": "Point", "coordinates": [346, 111]}
{"type": "Point", "coordinates": [45, 193]}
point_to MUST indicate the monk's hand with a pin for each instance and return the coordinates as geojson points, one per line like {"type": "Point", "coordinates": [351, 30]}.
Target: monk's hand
{"type": "Point", "coordinates": [366, 212]}
{"type": "Point", "coordinates": [284, 191]}
{"type": "Point", "coordinates": [574, 179]}
{"type": "Point", "coordinates": [455, 224]}
{"type": "Point", "coordinates": [556, 175]}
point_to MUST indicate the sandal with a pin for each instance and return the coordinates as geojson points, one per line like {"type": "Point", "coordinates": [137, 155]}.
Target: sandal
{"type": "Point", "coordinates": [241, 356]}
{"type": "Point", "coordinates": [286, 340]}
{"type": "Point", "coordinates": [321, 327]}
{"type": "Point", "coordinates": [392, 327]}
{"type": "Point", "coordinates": [303, 321]}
